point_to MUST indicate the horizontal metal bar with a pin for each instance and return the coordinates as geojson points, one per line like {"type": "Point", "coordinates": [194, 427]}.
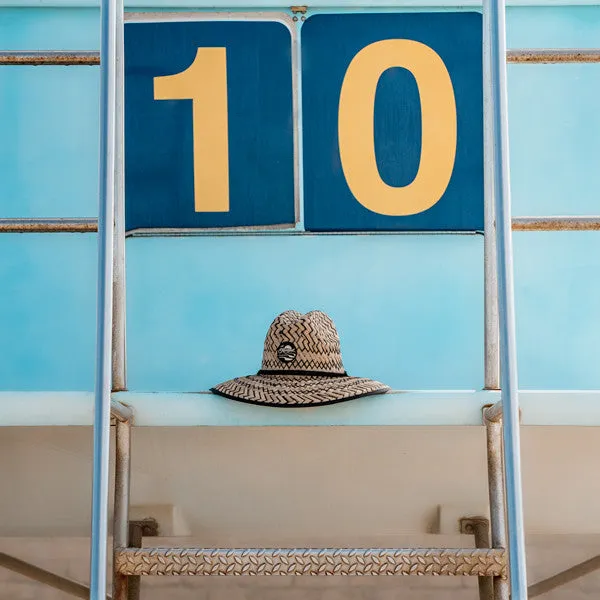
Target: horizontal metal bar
{"type": "Point", "coordinates": [61, 58]}
{"type": "Point", "coordinates": [46, 577]}
{"type": "Point", "coordinates": [49, 225]}
{"type": "Point", "coordinates": [546, 56]}
{"type": "Point", "coordinates": [92, 58]}
{"type": "Point", "coordinates": [263, 232]}
{"type": "Point", "coordinates": [564, 577]}
{"type": "Point", "coordinates": [591, 223]}
{"type": "Point", "coordinates": [310, 561]}
{"type": "Point", "coordinates": [90, 225]}
{"type": "Point", "coordinates": [121, 412]}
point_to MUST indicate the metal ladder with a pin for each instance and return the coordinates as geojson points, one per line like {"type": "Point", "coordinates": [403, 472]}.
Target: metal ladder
{"type": "Point", "coordinates": [130, 563]}
{"type": "Point", "coordinates": [490, 564]}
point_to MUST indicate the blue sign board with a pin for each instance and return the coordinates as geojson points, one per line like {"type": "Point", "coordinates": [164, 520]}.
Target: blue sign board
{"type": "Point", "coordinates": [209, 125]}
{"type": "Point", "coordinates": [392, 121]}
{"type": "Point", "coordinates": [392, 117]}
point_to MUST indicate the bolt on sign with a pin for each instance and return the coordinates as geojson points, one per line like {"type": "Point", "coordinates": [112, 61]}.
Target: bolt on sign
{"type": "Point", "coordinates": [391, 114]}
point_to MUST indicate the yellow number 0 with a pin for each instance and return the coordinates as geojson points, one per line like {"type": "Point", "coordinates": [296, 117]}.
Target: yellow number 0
{"type": "Point", "coordinates": [356, 133]}
{"type": "Point", "coordinates": [205, 83]}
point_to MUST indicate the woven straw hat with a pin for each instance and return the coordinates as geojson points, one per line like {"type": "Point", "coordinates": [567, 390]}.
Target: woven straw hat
{"type": "Point", "coordinates": [302, 366]}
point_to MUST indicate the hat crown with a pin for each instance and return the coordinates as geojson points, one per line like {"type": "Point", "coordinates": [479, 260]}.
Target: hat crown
{"type": "Point", "coordinates": [300, 343]}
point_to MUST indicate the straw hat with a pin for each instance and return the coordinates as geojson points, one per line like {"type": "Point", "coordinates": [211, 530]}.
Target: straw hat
{"type": "Point", "coordinates": [302, 366]}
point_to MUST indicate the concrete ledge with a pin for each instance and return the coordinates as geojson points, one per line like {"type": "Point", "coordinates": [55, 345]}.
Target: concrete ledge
{"type": "Point", "coordinates": [425, 408]}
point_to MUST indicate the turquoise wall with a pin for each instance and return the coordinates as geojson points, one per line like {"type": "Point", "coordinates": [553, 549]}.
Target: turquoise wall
{"type": "Point", "coordinates": [409, 308]}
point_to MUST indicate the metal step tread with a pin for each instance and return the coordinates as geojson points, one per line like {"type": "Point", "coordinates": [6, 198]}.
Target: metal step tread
{"type": "Point", "coordinates": [311, 561]}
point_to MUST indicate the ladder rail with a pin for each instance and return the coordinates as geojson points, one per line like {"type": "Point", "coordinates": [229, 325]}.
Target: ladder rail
{"type": "Point", "coordinates": [103, 384]}
{"type": "Point", "coordinates": [495, 33]}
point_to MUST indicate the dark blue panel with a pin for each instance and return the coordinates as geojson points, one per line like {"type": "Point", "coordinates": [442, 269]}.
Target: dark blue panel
{"type": "Point", "coordinates": [158, 133]}
{"type": "Point", "coordinates": [329, 43]}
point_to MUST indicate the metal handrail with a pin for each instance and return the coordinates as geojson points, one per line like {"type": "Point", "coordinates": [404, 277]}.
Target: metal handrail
{"type": "Point", "coordinates": [46, 577]}
{"type": "Point", "coordinates": [564, 577]}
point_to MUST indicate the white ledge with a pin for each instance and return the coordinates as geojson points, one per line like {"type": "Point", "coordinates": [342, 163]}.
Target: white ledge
{"type": "Point", "coordinates": [418, 408]}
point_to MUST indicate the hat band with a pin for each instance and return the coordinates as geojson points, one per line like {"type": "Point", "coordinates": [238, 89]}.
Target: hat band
{"type": "Point", "coordinates": [299, 372]}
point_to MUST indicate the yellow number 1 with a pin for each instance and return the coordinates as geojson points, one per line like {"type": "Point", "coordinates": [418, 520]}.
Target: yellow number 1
{"type": "Point", "coordinates": [205, 83]}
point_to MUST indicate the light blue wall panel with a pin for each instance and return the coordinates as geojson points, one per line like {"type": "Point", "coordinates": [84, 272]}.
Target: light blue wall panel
{"type": "Point", "coordinates": [49, 147]}
{"type": "Point", "coordinates": [553, 26]}
{"type": "Point", "coordinates": [49, 143]}
{"type": "Point", "coordinates": [409, 309]}
{"type": "Point", "coordinates": [47, 311]}
{"type": "Point", "coordinates": [553, 116]}
{"type": "Point", "coordinates": [50, 28]}
{"type": "Point", "coordinates": [558, 309]}
{"type": "Point", "coordinates": [555, 139]}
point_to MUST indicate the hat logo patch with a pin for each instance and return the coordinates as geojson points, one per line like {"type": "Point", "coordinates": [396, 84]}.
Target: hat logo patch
{"type": "Point", "coordinates": [286, 352]}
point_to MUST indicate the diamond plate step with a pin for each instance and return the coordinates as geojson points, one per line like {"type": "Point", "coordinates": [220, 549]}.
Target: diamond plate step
{"type": "Point", "coordinates": [310, 561]}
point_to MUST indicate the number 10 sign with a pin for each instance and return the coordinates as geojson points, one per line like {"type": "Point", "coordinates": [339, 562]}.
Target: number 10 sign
{"type": "Point", "coordinates": [391, 111]}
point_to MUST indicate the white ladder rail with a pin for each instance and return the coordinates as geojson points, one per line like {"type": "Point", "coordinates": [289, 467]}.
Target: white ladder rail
{"type": "Point", "coordinates": [497, 149]}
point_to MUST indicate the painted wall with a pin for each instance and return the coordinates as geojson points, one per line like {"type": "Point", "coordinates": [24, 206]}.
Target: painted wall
{"type": "Point", "coordinates": [409, 308]}
{"type": "Point", "coordinates": [298, 486]}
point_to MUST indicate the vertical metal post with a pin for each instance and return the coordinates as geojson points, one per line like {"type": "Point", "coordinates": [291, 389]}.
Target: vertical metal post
{"type": "Point", "coordinates": [135, 541]}
{"type": "Point", "coordinates": [479, 528]}
{"type": "Point", "coordinates": [104, 303]}
{"type": "Point", "coordinates": [119, 381]}
{"type": "Point", "coordinates": [491, 333]}
{"type": "Point", "coordinates": [508, 355]}
{"type": "Point", "coordinates": [121, 507]}
{"type": "Point", "coordinates": [495, 466]}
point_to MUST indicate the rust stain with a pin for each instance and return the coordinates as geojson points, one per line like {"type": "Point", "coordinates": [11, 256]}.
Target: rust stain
{"type": "Point", "coordinates": [48, 225]}
{"type": "Point", "coordinates": [556, 224]}
{"type": "Point", "coordinates": [49, 58]}
{"type": "Point", "coordinates": [553, 56]}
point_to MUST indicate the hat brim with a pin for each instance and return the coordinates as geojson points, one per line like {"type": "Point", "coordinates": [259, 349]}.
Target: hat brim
{"type": "Point", "coordinates": [294, 391]}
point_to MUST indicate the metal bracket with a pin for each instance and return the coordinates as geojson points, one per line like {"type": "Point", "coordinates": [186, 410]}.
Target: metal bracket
{"type": "Point", "coordinates": [137, 530]}
{"type": "Point", "coordinates": [479, 527]}
{"type": "Point", "coordinates": [145, 528]}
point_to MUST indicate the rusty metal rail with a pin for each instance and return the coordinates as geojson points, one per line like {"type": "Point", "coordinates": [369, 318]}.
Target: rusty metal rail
{"type": "Point", "coordinates": [84, 225]}
{"type": "Point", "coordinates": [588, 223]}
{"type": "Point", "coordinates": [67, 58]}
{"type": "Point", "coordinates": [59, 58]}
{"type": "Point", "coordinates": [549, 56]}
{"type": "Point", "coordinates": [90, 225]}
